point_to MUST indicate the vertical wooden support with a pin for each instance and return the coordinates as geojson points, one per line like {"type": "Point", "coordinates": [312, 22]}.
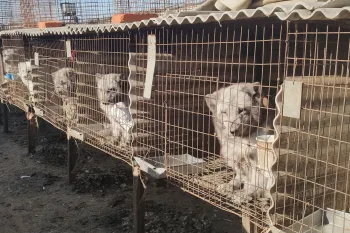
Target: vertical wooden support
{"type": "Point", "coordinates": [31, 134]}
{"type": "Point", "coordinates": [5, 117]}
{"type": "Point", "coordinates": [138, 203]}
{"type": "Point", "coordinates": [72, 158]}
{"type": "Point", "coordinates": [248, 226]}
{"type": "Point", "coordinates": [42, 123]}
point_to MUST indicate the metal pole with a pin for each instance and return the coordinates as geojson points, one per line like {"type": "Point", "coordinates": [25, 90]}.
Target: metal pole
{"type": "Point", "coordinates": [5, 120]}
{"type": "Point", "coordinates": [72, 158]}
{"type": "Point", "coordinates": [138, 203]}
{"type": "Point", "coordinates": [31, 130]}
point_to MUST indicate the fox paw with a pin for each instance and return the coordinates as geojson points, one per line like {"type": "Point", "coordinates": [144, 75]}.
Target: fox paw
{"type": "Point", "coordinates": [225, 188]}
{"type": "Point", "coordinates": [241, 196]}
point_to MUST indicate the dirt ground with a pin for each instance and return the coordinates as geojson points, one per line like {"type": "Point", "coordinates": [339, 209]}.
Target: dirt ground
{"type": "Point", "coordinates": [36, 198]}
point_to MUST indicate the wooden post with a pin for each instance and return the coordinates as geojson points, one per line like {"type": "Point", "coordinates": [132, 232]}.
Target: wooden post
{"type": "Point", "coordinates": [72, 159]}
{"type": "Point", "coordinates": [31, 134]}
{"type": "Point", "coordinates": [248, 226]}
{"type": "Point", "coordinates": [138, 203]}
{"type": "Point", "coordinates": [5, 117]}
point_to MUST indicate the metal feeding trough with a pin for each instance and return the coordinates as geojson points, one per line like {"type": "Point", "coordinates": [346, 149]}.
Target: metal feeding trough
{"type": "Point", "coordinates": [322, 221]}
{"type": "Point", "coordinates": [184, 164]}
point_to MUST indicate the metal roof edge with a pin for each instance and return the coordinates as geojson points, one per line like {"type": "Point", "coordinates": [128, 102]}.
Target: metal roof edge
{"type": "Point", "coordinates": [287, 10]}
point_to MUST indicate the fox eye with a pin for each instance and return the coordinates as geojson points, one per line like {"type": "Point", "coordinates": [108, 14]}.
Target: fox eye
{"type": "Point", "coordinates": [112, 90]}
{"type": "Point", "coordinates": [240, 110]}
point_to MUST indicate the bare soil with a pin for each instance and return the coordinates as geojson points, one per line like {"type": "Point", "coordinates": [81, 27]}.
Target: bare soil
{"type": "Point", "coordinates": [36, 198]}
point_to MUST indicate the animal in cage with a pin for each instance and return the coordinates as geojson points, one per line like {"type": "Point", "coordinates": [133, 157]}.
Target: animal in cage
{"type": "Point", "coordinates": [109, 88]}
{"type": "Point", "coordinates": [70, 109]}
{"type": "Point", "coordinates": [114, 105]}
{"type": "Point", "coordinates": [64, 81]}
{"type": "Point", "coordinates": [238, 118]}
{"type": "Point", "coordinates": [121, 121]}
{"type": "Point", "coordinates": [9, 55]}
{"type": "Point", "coordinates": [24, 72]}
{"type": "Point", "coordinates": [64, 85]}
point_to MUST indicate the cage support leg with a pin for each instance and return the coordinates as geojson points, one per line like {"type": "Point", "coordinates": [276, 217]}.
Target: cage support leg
{"type": "Point", "coordinates": [31, 131]}
{"type": "Point", "coordinates": [248, 226]}
{"type": "Point", "coordinates": [138, 203]}
{"type": "Point", "coordinates": [72, 159]}
{"type": "Point", "coordinates": [5, 118]}
{"type": "Point", "coordinates": [41, 123]}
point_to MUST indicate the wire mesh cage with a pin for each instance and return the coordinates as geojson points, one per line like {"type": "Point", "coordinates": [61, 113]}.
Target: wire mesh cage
{"type": "Point", "coordinates": [102, 88]}
{"type": "Point", "coordinates": [210, 98]}
{"type": "Point", "coordinates": [5, 14]}
{"type": "Point", "coordinates": [91, 11]}
{"type": "Point", "coordinates": [28, 13]}
{"type": "Point", "coordinates": [15, 66]}
{"type": "Point", "coordinates": [195, 104]}
{"type": "Point", "coordinates": [54, 79]}
{"type": "Point", "coordinates": [3, 81]}
{"type": "Point", "coordinates": [155, 6]}
{"type": "Point", "coordinates": [313, 168]}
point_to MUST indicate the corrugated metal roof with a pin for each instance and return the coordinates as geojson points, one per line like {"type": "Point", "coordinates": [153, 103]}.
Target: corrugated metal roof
{"type": "Point", "coordinates": [286, 10]}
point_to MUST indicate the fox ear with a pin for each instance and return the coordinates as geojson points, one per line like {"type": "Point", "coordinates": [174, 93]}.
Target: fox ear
{"type": "Point", "coordinates": [252, 89]}
{"type": "Point", "coordinates": [210, 99]}
{"type": "Point", "coordinates": [98, 76]}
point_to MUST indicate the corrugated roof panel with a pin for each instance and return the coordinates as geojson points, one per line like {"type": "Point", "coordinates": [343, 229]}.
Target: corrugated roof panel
{"type": "Point", "coordinates": [286, 10]}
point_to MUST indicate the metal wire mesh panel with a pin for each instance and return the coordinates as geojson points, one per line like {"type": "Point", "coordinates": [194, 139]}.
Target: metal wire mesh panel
{"type": "Point", "coordinates": [3, 81]}
{"type": "Point", "coordinates": [27, 13]}
{"type": "Point", "coordinates": [208, 103]}
{"type": "Point", "coordinates": [54, 79]}
{"type": "Point", "coordinates": [5, 14]}
{"type": "Point", "coordinates": [154, 6]}
{"type": "Point", "coordinates": [15, 86]}
{"type": "Point", "coordinates": [89, 11]}
{"type": "Point", "coordinates": [33, 11]}
{"type": "Point", "coordinates": [313, 149]}
{"type": "Point", "coordinates": [102, 88]}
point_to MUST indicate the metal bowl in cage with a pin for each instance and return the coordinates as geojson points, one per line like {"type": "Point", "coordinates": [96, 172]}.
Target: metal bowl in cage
{"type": "Point", "coordinates": [157, 166]}
{"type": "Point", "coordinates": [325, 221]}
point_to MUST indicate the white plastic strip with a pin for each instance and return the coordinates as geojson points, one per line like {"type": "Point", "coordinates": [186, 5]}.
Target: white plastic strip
{"type": "Point", "coordinates": [151, 63]}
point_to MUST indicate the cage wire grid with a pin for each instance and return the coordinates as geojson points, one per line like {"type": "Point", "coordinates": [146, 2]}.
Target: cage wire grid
{"type": "Point", "coordinates": [27, 13]}
{"type": "Point", "coordinates": [155, 6]}
{"type": "Point", "coordinates": [13, 55]}
{"type": "Point", "coordinates": [3, 84]}
{"type": "Point", "coordinates": [194, 66]}
{"type": "Point", "coordinates": [82, 88]}
{"type": "Point", "coordinates": [101, 65]}
{"type": "Point", "coordinates": [313, 151]}
{"type": "Point", "coordinates": [206, 77]}
{"type": "Point", "coordinates": [16, 14]}
{"type": "Point", "coordinates": [53, 62]}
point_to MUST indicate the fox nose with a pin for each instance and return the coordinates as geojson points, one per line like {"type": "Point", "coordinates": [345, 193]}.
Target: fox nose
{"type": "Point", "coordinates": [111, 97]}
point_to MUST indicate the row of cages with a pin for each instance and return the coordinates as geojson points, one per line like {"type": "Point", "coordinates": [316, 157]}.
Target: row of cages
{"type": "Point", "coordinates": [252, 118]}
{"type": "Point", "coordinates": [27, 13]}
